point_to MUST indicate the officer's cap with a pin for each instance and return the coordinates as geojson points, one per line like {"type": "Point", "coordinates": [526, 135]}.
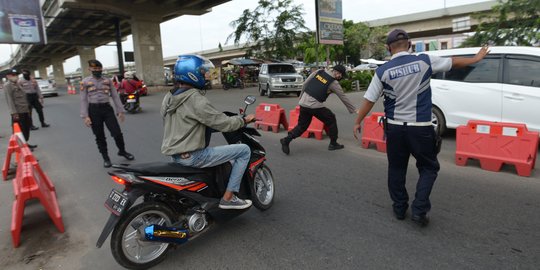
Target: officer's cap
{"type": "Point", "coordinates": [13, 71]}
{"type": "Point", "coordinates": [395, 35]}
{"type": "Point", "coordinates": [341, 69]}
{"type": "Point", "coordinates": [94, 63]}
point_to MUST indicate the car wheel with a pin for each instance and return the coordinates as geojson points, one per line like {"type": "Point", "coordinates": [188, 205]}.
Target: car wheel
{"type": "Point", "coordinates": [439, 123]}
{"type": "Point", "coordinates": [269, 92]}
{"type": "Point", "coordinates": [261, 91]}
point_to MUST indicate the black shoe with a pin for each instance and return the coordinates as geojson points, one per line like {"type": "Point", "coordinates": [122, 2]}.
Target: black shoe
{"type": "Point", "coordinates": [107, 163]}
{"type": "Point", "coordinates": [285, 145]}
{"type": "Point", "coordinates": [32, 146]}
{"type": "Point", "coordinates": [421, 220]}
{"type": "Point", "coordinates": [335, 146]}
{"type": "Point", "coordinates": [34, 128]}
{"type": "Point", "coordinates": [127, 155]}
{"type": "Point", "coordinates": [45, 125]}
{"type": "Point", "coordinates": [400, 215]}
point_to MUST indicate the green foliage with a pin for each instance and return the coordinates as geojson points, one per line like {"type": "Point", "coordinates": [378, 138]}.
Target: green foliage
{"type": "Point", "coordinates": [270, 29]}
{"type": "Point", "coordinates": [363, 78]}
{"type": "Point", "coordinates": [360, 39]}
{"type": "Point", "coordinates": [512, 22]}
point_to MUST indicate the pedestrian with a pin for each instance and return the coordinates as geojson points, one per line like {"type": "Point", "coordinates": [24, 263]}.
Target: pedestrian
{"type": "Point", "coordinates": [34, 96]}
{"type": "Point", "coordinates": [187, 117]}
{"type": "Point", "coordinates": [316, 89]}
{"type": "Point", "coordinates": [405, 83]}
{"type": "Point", "coordinates": [96, 111]}
{"type": "Point", "coordinates": [18, 104]}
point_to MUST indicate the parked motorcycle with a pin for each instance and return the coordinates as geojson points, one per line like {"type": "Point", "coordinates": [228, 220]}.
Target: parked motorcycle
{"type": "Point", "coordinates": [178, 203]}
{"type": "Point", "coordinates": [232, 81]}
{"type": "Point", "coordinates": [132, 102]}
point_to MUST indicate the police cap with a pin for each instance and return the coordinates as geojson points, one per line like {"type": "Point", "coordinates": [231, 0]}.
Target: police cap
{"type": "Point", "coordinates": [13, 71]}
{"type": "Point", "coordinates": [94, 63]}
{"type": "Point", "coordinates": [341, 69]}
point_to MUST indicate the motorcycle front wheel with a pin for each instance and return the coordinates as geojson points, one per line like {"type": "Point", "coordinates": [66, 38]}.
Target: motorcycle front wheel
{"type": "Point", "coordinates": [262, 188]}
{"type": "Point", "coordinates": [128, 244]}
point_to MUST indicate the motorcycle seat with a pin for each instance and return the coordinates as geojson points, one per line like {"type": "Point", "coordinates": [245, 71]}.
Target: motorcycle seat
{"type": "Point", "coordinates": [160, 168]}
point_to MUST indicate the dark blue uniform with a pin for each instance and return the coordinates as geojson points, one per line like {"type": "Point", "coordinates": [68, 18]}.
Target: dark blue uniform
{"type": "Point", "coordinates": [404, 82]}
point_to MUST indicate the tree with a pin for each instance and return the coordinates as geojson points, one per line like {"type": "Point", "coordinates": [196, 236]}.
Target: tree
{"type": "Point", "coordinates": [363, 41]}
{"type": "Point", "coordinates": [512, 22]}
{"type": "Point", "coordinates": [271, 29]}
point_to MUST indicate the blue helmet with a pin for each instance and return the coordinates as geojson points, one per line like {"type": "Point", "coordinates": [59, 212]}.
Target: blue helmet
{"type": "Point", "coordinates": [190, 69]}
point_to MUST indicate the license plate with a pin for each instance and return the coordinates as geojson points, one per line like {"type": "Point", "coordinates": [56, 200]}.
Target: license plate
{"type": "Point", "coordinates": [116, 202]}
{"type": "Point", "coordinates": [131, 100]}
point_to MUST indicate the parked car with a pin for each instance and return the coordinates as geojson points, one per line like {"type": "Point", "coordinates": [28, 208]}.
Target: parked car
{"type": "Point", "coordinates": [503, 87]}
{"type": "Point", "coordinates": [279, 78]}
{"type": "Point", "coordinates": [47, 87]}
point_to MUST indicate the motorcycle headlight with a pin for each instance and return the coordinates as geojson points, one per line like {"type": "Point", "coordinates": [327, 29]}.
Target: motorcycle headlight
{"type": "Point", "coordinates": [131, 96]}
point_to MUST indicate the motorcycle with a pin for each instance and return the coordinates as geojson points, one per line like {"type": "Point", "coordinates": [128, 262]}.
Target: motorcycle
{"type": "Point", "coordinates": [131, 102]}
{"type": "Point", "coordinates": [178, 203]}
{"type": "Point", "coordinates": [232, 81]}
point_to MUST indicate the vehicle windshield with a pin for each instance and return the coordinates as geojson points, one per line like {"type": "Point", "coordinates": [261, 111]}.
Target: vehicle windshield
{"type": "Point", "coordinates": [281, 69]}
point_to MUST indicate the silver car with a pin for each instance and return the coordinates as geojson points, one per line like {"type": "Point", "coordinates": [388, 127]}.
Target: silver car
{"type": "Point", "coordinates": [279, 78]}
{"type": "Point", "coordinates": [47, 87]}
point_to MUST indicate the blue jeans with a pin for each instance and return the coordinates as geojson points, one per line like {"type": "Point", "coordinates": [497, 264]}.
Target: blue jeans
{"type": "Point", "coordinates": [213, 156]}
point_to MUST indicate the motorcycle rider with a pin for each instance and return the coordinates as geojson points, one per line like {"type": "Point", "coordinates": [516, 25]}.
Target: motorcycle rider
{"type": "Point", "coordinates": [187, 115]}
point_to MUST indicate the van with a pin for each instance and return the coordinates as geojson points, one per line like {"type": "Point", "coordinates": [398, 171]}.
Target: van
{"type": "Point", "coordinates": [279, 78]}
{"type": "Point", "coordinates": [503, 87]}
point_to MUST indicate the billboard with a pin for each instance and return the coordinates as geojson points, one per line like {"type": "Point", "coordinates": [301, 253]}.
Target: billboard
{"type": "Point", "coordinates": [329, 21]}
{"type": "Point", "coordinates": [21, 22]}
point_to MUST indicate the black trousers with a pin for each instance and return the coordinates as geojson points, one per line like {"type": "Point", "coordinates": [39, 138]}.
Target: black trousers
{"type": "Point", "coordinates": [324, 114]}
{"type": "Point", "coordinates": [33, 101]}
{"type": "Point", "coordinates": [103, 115]}
{"type": "Point", "coordinates": [25, 123]}
{"type": "Point", "coordinates": [401, 142]}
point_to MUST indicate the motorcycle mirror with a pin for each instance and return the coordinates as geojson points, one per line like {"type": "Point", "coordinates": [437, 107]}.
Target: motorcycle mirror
{"type": "Point", "coordinates": [250, 100]}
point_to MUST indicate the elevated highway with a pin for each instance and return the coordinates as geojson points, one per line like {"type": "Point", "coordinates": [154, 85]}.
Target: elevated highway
{"type": "Point", "coordinates": [77, 27]}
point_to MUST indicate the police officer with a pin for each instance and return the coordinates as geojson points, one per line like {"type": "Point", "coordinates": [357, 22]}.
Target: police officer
{"type": "Point", "coordinates": [316, 89]}
{"type": "Point", "coordinates": [96, 111]}
{"type": "Point", "coordinates": [405, 83]}
{"type": "Point", "coordinates": [34, 96]}
{"type": "Point", "coordinates": [18, 104]}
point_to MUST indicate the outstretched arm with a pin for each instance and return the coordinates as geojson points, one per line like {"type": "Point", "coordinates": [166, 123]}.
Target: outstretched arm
{"type": "Point", "coordinates": [461, 62]}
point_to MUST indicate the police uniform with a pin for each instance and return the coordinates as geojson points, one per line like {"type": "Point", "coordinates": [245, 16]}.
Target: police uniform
{"type": "Point", "coordinates": [33, 94]}
{"type": "Point", "coordinates": [95, 95]}
{"type": "Point", "coordinates": [18, 104]}
{"type": "Point", "coordinates": [404, 82]}
{"type": "Point", "coordinates": [318, 86]}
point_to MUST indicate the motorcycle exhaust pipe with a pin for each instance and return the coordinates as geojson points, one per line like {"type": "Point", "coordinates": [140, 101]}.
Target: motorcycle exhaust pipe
{"type": "Point", "coordinates": [156, 233]}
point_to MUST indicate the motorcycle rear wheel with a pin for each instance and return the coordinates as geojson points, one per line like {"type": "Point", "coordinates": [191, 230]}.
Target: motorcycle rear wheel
{"type": "Point", "coordinates": [262, 188]}
{"type": "Point", "coordinates": [128, 245]}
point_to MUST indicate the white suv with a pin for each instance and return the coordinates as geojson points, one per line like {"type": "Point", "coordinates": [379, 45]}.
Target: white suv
{"type": "Point", "coordinates": [503, 87]}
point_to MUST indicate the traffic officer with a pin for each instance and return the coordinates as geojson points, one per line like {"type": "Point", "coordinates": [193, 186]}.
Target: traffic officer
{"type": "Point", "coordinates": [404, 81]}
{"type": "Point", "coordinates": [96, 111]}
{"type": "Point", "coordinates": [34, 96]}
{"type": "Point", "coordinates": [18, 104]}
{"type": "Point", "coordinates": [316, 89]}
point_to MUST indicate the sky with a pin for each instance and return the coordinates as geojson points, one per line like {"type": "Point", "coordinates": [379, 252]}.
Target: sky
{"type": "Point", "coordinates": [207, 31]}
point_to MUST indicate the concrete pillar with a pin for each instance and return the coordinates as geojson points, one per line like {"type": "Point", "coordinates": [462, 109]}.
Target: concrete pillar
{"type": "Point", "coordinates": [43, 72]}
{"type": "Point", "coordinates": [147, 50]}
{"type": "Point", "coordinates": [85, 54]}
{"type": "Point", "coordinates": [58, 70]}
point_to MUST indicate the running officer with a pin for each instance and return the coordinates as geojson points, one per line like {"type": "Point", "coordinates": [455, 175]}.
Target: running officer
{"type": "Point", "coordinates": [96, 111]}
{"type": "Point", "coordinates": [404, 81]}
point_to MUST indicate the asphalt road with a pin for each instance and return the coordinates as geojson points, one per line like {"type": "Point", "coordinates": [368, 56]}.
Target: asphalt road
{"type": "Point", "coordinates": [331, 211]}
